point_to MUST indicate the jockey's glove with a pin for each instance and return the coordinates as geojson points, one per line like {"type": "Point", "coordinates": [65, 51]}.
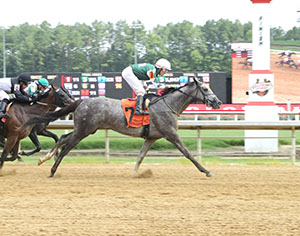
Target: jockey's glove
{"type": "Point", "coordinates": [33, 99]}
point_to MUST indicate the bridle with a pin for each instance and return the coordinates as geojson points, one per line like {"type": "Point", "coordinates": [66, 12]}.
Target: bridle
{"type": "Point", "coordinates": [46, 93]}
{"type": "Point", "coordinates": [204, 91]}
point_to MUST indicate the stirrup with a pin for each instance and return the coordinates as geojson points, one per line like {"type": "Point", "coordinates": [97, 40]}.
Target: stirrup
{"type": "Point", "coordinates": [141, 112]}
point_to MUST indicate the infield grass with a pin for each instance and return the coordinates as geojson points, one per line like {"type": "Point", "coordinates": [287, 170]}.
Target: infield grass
{"type": "Point", "coordinates": [97, 140]}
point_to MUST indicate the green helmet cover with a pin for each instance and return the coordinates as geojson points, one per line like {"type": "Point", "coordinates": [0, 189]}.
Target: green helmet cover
{"type": "Point", "coordinates": [44, 82]}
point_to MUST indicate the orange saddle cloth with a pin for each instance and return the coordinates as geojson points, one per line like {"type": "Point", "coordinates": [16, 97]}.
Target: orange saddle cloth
{"type": "Point", "coordinates": [128, 106]}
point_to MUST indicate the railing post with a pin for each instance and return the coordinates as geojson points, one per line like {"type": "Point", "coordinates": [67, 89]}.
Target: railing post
{"type": "Point", "coordinates": [199, 146]}
{"type": "Point", "coordinates": [288, 105]}
{"type": "Point", "coordinates": [107, 146]}
{"type": "Point", "coordinates": [293, 146]}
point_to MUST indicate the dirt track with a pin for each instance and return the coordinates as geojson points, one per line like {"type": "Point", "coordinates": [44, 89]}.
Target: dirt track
{"type": "Point", "coordinates": [166, 200]}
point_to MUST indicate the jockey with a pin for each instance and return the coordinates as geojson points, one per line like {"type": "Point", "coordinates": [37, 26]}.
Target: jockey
{"type": "Point", "coordinates": [136, 75]}
{"type": "Point", "coordinates": [36, 88]}
{"type": "Point", "coordinates": [15, 87]}
{"type": "Point", "coordinates": [287, 53]}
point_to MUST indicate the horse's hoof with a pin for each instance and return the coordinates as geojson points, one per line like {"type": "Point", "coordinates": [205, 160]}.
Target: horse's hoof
{"type": "Point", "coordinates": [209, 174]}
{"type": "Point", "coordinates": [20, 160]}
{"type": "Point", "coordinates": [135, 174]}
{"type": "Point", "coordinates": [40, 162]}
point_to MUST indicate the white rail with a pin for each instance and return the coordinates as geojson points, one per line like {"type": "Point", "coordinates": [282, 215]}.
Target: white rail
{"type": "Point", "coordinates": [201, 125]}
{"type": "Point", "coordinates": [234, 113]}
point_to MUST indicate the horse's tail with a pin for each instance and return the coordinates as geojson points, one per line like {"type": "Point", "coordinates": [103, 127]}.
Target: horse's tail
{"type": "Point", "coordinates": [54, 115]}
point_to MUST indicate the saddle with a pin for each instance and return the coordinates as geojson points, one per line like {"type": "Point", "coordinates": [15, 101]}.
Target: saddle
{"type": "Point", "coordinates": [128, 106]}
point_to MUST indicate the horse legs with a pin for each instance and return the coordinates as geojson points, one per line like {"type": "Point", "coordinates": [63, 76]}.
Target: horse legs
{"type": "Point", "coordinates": [48, 133]}
{"type": "Point", "coordinates": [63, 139]}
{"type": "Point", "coordinates": [33, 137]}
{"type": "Point", "coordinates": [174, 138]}
{"type": "Point", "coordinates": [10, 143]}
{"type": "Point", "coordinates": [14, 153]}
{"type": "Point", "coordinates": [70, 142]}
{"type": "Point", "coordinates": [146, 146]}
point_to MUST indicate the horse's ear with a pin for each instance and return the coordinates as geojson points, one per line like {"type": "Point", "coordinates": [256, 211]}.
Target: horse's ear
{"type": "Point", "coordinates": [53, 86]}
{"type": "Point", "coordinates": [199, 83]}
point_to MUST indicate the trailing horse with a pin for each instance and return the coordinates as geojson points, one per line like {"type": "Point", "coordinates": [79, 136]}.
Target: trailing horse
{"type": "Point", "coordinates": [19, 113]}
{"type": "Point", "coordinates": [105, 113]}
{"type": "Point", "coordinates": [289, 62]}
{"type": "Point", "coordinates": [41, 129]}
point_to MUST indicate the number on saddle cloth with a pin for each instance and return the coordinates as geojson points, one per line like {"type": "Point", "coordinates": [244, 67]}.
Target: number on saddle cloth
{"type": "Point", "coordinates": [128, 106]}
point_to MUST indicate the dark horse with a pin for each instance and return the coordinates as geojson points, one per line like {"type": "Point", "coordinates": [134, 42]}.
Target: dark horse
{"type": "Point", "coordinates": [41, 129]}
{"type": "Point", "coordinates": [288, 62]}
{"type": "Point", "coordinates": [19, 113]}
{"type": "Point", "coordinates": [286, 59]}
{"type": "Point", "coordinates": [104, 113]}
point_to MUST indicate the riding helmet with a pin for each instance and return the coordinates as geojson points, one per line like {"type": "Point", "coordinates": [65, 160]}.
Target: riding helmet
{"type": "Point", "coordinates": [25, 78]}
{"type": "Point", "coordinates": [163, 63]}
{"type": "Point", "coordinates": [44, 82]}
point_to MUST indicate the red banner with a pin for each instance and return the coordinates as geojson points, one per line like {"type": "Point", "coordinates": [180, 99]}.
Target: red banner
{"type": "Point", "coordinates": [283, 107]}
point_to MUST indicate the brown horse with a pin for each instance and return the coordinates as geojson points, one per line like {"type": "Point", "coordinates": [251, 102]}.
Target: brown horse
{"type": "Point", "coordinates": [41, 129]}
{"type": "Point", "coordinates": [19, 113]}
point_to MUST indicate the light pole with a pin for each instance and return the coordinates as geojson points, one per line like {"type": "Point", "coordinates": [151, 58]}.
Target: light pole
{"type": "Point", "coordinates": [4, 54]}
{"type": "Point", "coordinates": [135, 26]}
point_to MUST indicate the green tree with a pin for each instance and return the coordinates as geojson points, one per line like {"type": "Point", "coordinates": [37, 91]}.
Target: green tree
{"type": "Point", "coordinates": [110, 47]}
{"type": "Point", "coordinates": [277, 33]}
{"type": "Point", "coordinates": [121, 52]}
{"type": "Point", "coordinates": [293, 34]}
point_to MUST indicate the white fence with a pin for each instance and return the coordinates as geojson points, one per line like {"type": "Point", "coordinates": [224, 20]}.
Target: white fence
{"type": "Point", "coordinates": [235, 113]}
{"type": "Point", "coordinates": [213, 125]}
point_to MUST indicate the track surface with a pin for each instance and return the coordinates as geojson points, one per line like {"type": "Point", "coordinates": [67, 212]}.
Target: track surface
{"type": "Point", "coordinates": [166, 199]}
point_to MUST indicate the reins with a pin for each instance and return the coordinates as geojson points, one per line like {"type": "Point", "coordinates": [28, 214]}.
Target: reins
{"type": "Point", "coordinates": [172, 110]}
{"type": "Point", "coordinates": [45, 104]}
{"type": "Point", "coordinates": [198, 87]}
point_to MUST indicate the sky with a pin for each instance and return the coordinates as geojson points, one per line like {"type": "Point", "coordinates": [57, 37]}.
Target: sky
{"type": "Point", "coordinates": [151, 13]}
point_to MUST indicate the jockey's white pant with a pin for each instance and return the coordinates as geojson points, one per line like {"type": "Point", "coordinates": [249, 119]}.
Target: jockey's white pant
{"type": "Point", "coordinates": [136, 84]}
{"type": "Point", "coordinates": [3, 95]}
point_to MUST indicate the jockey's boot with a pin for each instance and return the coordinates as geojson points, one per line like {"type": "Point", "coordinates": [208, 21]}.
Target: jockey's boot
{"type": "Point", "coordinates": [138, 106]}
{"type": "Point", "coordinates": [3, 105]}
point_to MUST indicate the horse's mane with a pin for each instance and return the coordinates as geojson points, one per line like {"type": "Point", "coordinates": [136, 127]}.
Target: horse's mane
{"type": "Point", "coordinates": [172, 89]}
{"type": "Point", "coordinates": [155, 97]}
{"type": "Point", "coordinates": [167, 91]}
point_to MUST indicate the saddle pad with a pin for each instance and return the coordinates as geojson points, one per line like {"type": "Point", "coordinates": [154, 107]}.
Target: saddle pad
{"type": "Point", "coordinates": [128, 106]}
{"type": "Point", "coordinates": [7, 108]}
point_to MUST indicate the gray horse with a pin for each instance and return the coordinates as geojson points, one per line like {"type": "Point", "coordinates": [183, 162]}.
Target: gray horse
{"type": "Point", "coordinates": [105, 113]}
